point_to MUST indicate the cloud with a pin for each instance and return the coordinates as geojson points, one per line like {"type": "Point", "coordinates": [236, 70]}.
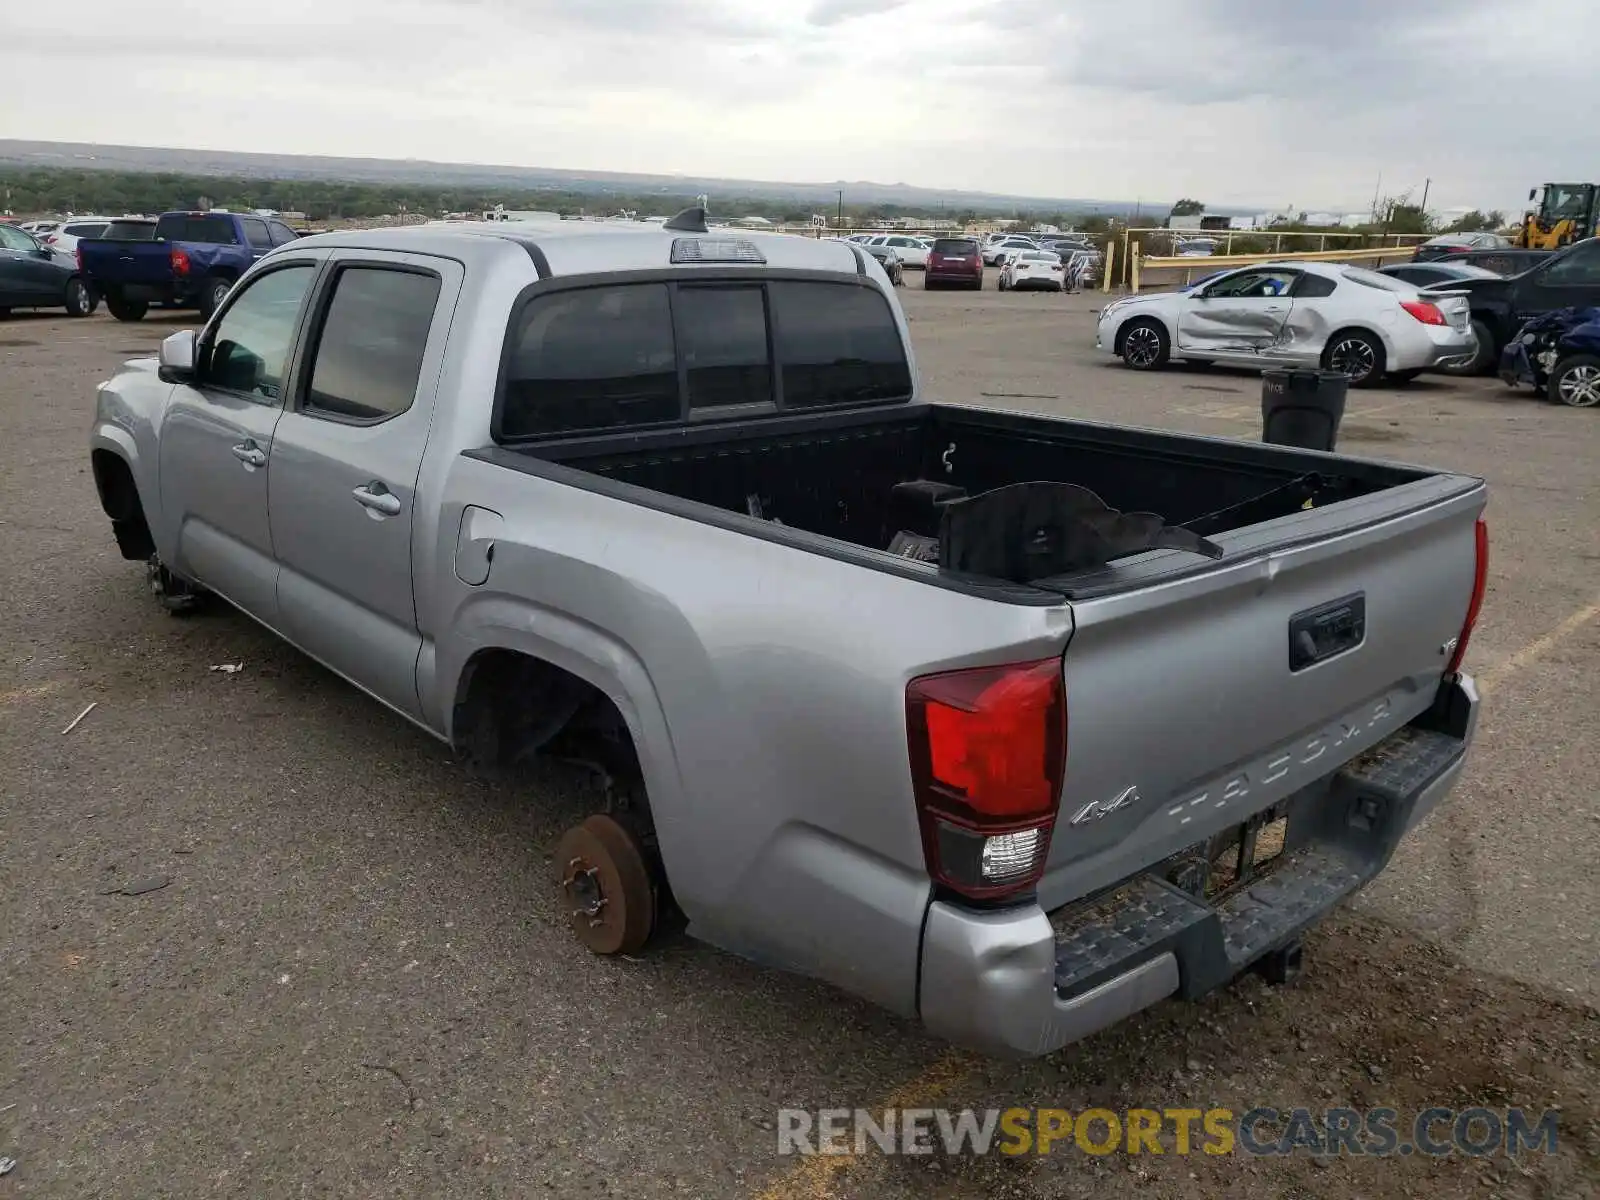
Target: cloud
{"type": "Point", "coordinates": [834, 12]}
{"type": "Point", "coordinates": [1235, 102]}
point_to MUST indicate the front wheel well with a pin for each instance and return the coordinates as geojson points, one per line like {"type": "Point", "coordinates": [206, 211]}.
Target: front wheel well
{"type": "Point", "coordinates": [1122, 330]}
{"type": "Point", "coordinates": [511, 707]}
{"type": "Point", "coordinates": [119, 498]}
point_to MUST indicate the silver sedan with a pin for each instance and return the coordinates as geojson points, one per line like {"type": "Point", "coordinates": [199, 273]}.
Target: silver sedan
{"type": "Point", "coordinates": [1301, 314]}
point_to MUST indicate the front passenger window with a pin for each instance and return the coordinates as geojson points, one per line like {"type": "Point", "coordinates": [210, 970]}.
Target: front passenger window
{"type": "Point", "coordinates": [12, 238]}
{"type": "Point", "coordinates": [251, 342]}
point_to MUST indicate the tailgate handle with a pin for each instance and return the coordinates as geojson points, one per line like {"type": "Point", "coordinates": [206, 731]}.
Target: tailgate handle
{"type": "Point", "coordinates": [1330, 629]}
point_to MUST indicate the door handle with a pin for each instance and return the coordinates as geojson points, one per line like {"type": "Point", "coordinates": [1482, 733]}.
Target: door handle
{"type": "Point", "coordinates": [377, 498]}
{"type": "Point", "coordinates": [1273, 308]}
{"type": "Point", "coordinates": [250, 454]}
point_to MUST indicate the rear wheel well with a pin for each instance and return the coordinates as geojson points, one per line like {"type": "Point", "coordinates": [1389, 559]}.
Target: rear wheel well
{"type": "Point", "coordinates": [1491, 323]}
{"type": "Point", "coordinates": [1371, 335]}
{"type": "Point", "coordinates": [511, 707]}
{"type": "Point", "coordinates": [119, 498]}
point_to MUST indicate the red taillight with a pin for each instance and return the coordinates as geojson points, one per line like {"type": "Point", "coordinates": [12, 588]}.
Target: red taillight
{"type": "Point", "coordinates": [1480, 580]}
{"type": "Point", "coordinates": [79, 255]}
{"type": "Point", "coordinates": [1424, 311]}
{"type": "Point", "coordinates": [180, 262]}
{"type": "Point", "coordinates": [988, 753]}
{"type": "Point", "coordinates": [49, 239]}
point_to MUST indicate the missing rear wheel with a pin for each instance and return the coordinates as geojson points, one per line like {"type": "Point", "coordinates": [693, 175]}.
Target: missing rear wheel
{"type": "Point", "coordinates": [606, 886]}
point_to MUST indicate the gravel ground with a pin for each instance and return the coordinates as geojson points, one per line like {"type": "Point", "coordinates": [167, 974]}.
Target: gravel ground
{"type": "Point", "coordinates": [259, 937]}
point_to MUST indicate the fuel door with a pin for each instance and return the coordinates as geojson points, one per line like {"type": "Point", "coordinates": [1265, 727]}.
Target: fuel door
{"type": "Point", "coordinates": [475, 543]}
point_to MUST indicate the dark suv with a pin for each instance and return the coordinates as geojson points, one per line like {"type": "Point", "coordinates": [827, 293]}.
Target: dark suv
{"type": "Point", "coordinates": [954, 260]}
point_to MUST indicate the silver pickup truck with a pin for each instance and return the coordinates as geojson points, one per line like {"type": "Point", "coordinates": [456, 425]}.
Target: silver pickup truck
{"type": "Point", "coordinates": [1014, 724]}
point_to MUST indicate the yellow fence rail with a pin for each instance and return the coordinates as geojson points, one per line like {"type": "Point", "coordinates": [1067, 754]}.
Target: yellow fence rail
{"type": "Point", "coordinates": [1208, 264]}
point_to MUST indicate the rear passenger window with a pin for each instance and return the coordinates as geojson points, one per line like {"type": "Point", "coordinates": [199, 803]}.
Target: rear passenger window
{"type": "Point", "coordinates": [1310, 287]}
{"type": "Point", "coordinates": [369, 351]}
{"type": "Point", "coordinates": [195, 227]}
{"type": "Point", "coordinates": [595, 358]}
{"type": "Point", "coordinates": [722, 335]}
{"type": "Point", "coordinates": [836, 344]}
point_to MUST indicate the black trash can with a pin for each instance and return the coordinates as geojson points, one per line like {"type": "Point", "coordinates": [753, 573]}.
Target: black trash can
{"type": "Point", "coordinates": [1302, 408]}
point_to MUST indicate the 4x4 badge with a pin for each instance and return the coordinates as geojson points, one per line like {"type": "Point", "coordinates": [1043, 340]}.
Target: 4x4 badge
{"type": "Point", "coordinates": [1095, 810]}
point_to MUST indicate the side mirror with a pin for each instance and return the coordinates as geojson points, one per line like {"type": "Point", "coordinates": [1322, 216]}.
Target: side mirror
{"type": "Point", "coordinates": [177, 357]}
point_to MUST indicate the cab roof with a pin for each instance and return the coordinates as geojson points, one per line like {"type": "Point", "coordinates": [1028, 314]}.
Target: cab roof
{"type": "Point", "coordinates": [591, 247]}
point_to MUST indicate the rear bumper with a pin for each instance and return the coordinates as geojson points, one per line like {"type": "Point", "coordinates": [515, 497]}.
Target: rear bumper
{"type": "Point", "coordinates": [945, 275]}
{"type": "Point", "coordinates": [1423, 347]}
{"type": "Point", "coordinates": [1455, 355]}
{"type": "Point", "coordinates": [151, 293]}
{"type": "Point", "coordinates": [1020, 983]}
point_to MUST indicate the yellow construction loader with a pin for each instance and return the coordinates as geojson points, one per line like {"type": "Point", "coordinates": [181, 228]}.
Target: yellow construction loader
{"type": "Point", "coordinates": [1565, 214]}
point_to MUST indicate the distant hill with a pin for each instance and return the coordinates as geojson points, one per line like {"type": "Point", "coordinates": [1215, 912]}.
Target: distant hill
{"type": "Point", "coordinates": [820, 196]}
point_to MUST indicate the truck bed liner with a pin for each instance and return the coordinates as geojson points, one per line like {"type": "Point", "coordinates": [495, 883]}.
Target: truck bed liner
{"type": "Point", "coordinates": [838, 478]}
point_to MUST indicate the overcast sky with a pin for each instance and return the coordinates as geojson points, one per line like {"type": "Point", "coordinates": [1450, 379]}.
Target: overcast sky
{"type": "Point", "coordinates": [1233, 102]}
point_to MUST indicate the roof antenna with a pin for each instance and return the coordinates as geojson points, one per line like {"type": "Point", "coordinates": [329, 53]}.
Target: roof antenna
{"type": "Point", "coordinates": [690, 220]}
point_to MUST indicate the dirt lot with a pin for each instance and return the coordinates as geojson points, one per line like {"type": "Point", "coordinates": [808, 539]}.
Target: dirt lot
{"type": "Point", "coordinates": [353, 981]}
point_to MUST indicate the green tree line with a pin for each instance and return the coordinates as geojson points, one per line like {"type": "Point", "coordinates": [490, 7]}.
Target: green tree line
{"type": "Point", "coordinates": [30, 191]}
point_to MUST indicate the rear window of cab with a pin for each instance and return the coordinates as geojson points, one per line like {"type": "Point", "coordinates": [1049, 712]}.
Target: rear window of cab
{"type": "Point", "coordinates": [632, 355]}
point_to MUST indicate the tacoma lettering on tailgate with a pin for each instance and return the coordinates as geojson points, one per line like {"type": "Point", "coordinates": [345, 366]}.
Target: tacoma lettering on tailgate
{"type": "Point", "coordinates": [1300, 758]}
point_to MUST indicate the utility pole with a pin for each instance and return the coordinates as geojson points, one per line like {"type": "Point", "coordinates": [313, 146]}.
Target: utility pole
{"type": "Point", "coordinates": [1376, 188]}
{"type": "Point", "coordinates": [838, 221]}
{"type": "Point", "coordinates": [1426, 184]}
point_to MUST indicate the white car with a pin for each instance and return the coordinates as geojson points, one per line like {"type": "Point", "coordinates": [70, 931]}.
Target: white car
{"type": "Point", "coordinates": [1293, 314]}
{"type": "Point", "coordinates": [65, 236]}
{"type": "Point", "coordinates": [1025, 269]}
{"type": "Point", "coordinates": [913, 252]}
{"type": "Point", "coordinates": [995, 250]}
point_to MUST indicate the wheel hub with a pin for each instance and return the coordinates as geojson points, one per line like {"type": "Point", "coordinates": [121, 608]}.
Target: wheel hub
{"type": "Point", "coordinates": [582, 885]}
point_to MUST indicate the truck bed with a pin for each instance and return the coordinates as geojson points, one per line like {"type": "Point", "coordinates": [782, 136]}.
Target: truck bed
{"type": "Point", "coordinates": [1202, 689]}
{"type": "Point", "coordinates": [838, 478]}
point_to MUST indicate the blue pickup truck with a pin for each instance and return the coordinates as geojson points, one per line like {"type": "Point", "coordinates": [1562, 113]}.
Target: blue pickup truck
{"type": "Point", "coordinates": [193, 260]}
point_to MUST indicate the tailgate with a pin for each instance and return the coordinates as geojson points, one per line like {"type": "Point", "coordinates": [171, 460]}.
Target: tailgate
{"type": "Point", "coordinates": [1195, 703]}
{"type": "Point", "coordinates": [126, 262]}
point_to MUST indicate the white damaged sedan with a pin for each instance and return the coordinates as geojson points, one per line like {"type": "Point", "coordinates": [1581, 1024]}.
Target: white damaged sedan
{"type": "Point", "coordinates": [1294, 314]}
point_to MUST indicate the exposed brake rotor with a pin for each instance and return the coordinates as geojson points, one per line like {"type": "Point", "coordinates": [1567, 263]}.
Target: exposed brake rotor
{"type": "Point", "coordinates": [605, 886]}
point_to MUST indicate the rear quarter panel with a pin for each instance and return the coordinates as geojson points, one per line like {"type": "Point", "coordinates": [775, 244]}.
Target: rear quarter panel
{"type": "Point", "coordinates": [765, 690]}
